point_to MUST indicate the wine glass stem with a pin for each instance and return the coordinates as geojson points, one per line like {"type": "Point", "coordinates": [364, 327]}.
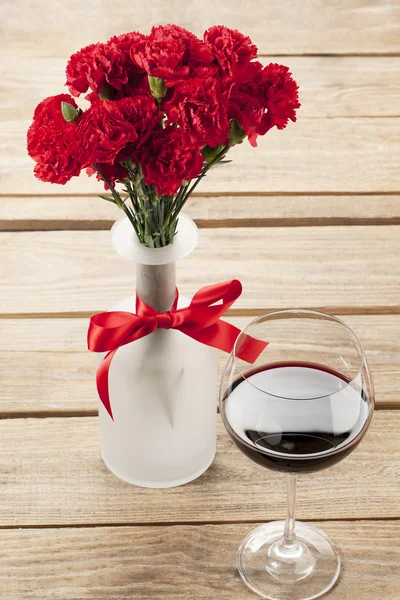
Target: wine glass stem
{"type": "Point", "coordinates": [289, 535]}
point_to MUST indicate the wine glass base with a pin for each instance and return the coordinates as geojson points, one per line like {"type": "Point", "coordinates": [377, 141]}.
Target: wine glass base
{"type": "Point", "coordinates": [303, 571]}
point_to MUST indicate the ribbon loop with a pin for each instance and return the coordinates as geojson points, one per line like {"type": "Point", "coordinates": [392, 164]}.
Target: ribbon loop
{"type": "Point", "coordinates": [200, 320]}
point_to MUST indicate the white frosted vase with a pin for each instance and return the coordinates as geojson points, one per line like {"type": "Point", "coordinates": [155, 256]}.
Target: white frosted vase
{"type": "Point", "coordinates": [162, 387]}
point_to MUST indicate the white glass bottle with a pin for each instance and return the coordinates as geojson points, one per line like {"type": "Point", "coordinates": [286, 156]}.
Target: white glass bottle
{"type": "Point", "coordinates": [162, 387]}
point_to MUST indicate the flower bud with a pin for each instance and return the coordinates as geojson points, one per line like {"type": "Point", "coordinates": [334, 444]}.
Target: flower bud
{"type": "Point", "coordinates": [69, 112]}
{"type": "Point", "coordinates": [210, 153]}
{"type": "Point", "coordinates": [157, 87]}
{"type": "Point", "coordinates": [236, 133]}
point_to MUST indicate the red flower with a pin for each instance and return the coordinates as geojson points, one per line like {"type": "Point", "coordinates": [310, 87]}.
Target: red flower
{"type": "Point", "coordinates": [281, 97]}
{"type": "Point", "coordinates": [262, 98]}
{"type": "Point", "coordinates": [215, 87]}
{"type": "Point", "coordinates": [246, 104]}
{"type": "Point", "coordinates": [137, 81]}
{"type": "Point", "coordinates": [170, 52]}
{"type": "Point", "coordinates": [99, 64]}
{"type": "Point", "coordinates": [199, 108]}
{"type": "Point", "coordinates": [231, 48]}
{"type": "Point", "coordinates": [141, 112]}
{"type": "Point", "coordinates": [169, 159]}
{"type": "Point", "coordinates": [52, 142]}
{"type": "Point", "coordinates": [124, 43]}
{"type": "Point", "coordinates": [104, 132]}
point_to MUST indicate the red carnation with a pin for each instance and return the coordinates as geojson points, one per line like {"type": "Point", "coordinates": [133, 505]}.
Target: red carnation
{"type": "Point", "coordinates": [231, 48]}
{"type": "Point", "coordinates": [137, 81]}
{"type": "Point", "coordinates": [199, 108]}
{"type": "Point", "coordinates": [52, 142]}
{"type": "Point", "coordinates": [281, 97]}
{"type": "Point", "coordinates": [246, 103]}
{"type": "Point", "coordinates": [104, 132]}
{"type": "Point", "coordinates": [99, 64]}
{"type": "Point", "coordinates": [124, 43]}
{"type": "Point", "coordinates": [170, 52]}
{"type": "Point", "coordinates": [263, 97]}
{"type": "Point", "coordinates": [141, 112]}
{"type": "Point", "coordinates": [169, 159]}
{"type": "Point", "coordinates": [84, 70]}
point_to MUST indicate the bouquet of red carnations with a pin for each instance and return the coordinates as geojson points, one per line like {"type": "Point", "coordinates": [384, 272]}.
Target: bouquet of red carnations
{"type": "Point", "coordinates": [164, 109]}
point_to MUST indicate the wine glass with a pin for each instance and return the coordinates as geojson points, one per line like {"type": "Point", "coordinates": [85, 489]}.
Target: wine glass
{"type": "Point", "coordinates": [303, 406]}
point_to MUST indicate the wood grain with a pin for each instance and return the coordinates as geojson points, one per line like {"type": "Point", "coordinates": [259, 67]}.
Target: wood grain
{"type": "Point", "coordinates": [330, 86]}
{"type": "Point", "coordinates": [52, 473]}
{"type": "Point", "coordinates": [88, 212]}
{"type": "Point", "coordinates": [312, 26]}
{"type": "Point", "coordinates": [113, 563]}
{"type": "Point", "coordinates": [69, 271]}
{"type": "Point", "coordinates": [337, 155]}
{"type": "Point", "coordinates": [45, 367]}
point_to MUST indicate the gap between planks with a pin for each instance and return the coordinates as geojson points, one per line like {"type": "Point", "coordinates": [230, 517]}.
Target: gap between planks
{"type": "Point", "coordinates": [238, 312]}
{"type": "Point", "coordinates": [122, 525]}
{"type": "Point", "coordinates": [20, 225]}
{"type": "Point", "coordinates": [87, 212]}
{"type": "Point", "coordinates": [219, 194]}
{"type": "Point", "coordinates": [332, 55]}
{"type": "Point", "coordinates": [85, 414]}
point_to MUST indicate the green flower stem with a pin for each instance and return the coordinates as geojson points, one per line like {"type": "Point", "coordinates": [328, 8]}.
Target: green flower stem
{"type": "Point", "coordinates": [208, 166]}
{"type": "Point", "coordinates": [154, 218]}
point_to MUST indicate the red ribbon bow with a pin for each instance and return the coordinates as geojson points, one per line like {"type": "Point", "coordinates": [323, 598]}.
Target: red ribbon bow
{"type": "Point", "coordinates": [108, 331]}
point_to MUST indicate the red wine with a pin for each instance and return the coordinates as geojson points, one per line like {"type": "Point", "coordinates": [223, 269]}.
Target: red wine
{"type": "Point", "coordinates": [296, 417]}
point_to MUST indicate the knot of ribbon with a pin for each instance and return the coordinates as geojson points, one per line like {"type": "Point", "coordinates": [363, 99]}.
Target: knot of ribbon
{"type": "Point", "coordinates": [201, 321]}
{"type": "Point", "coordinates": [164, 320]}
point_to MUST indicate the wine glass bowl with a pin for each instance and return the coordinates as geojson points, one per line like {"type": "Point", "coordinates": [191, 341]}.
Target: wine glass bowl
{"type": "Point", "coordinates": [303, 406]}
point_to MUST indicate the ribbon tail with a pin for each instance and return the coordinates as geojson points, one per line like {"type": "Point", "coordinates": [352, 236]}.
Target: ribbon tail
{"type": "Point", "coordinates": [102, 381]}
{"type": "Point", "coordinates": [249, 348]}
{"type": "Point", "coordinates": [223, 335]}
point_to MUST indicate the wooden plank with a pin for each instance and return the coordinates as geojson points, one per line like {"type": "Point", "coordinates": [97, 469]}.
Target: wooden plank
{"type": "Point", "coordinates": [330, 86]}
{"type": "Point", "coordinates": [177, 562]}
{"type": "Point", "coordinates": [46, 369]}
{"type": "Point", "coordinates": [68, 271]}
{"type": "Point", "coordinates": [88, 212]}
{"type": "Point", "coordinates": [337, 26]}
{"type": "Point", "coordinates": [52, 474]}
{"type": "Point", "coordinates": [337, 155]}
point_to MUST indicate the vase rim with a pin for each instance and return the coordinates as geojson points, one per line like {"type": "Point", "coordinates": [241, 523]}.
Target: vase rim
{"type": "Point", "coordinates": [126, 243]}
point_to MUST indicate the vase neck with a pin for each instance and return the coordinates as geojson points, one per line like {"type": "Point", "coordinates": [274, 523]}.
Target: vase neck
{"type": "Point", "coordinates": [156, 285]}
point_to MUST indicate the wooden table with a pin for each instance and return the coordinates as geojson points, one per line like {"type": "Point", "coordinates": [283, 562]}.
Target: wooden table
{"type": "Point", "coordinates": [311, 218]}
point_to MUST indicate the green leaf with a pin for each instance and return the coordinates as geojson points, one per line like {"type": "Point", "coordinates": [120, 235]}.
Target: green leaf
{"type": "Point", "coordinates": [149, 241]}
{"type": "Point", "coordinates": [171, 233]}
{"type": "Point", "coordinates": [108, 198]}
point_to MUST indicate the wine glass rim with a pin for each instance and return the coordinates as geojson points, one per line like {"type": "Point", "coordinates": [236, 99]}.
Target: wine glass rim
{"type": "Point", "coordinates": [304, 311]}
